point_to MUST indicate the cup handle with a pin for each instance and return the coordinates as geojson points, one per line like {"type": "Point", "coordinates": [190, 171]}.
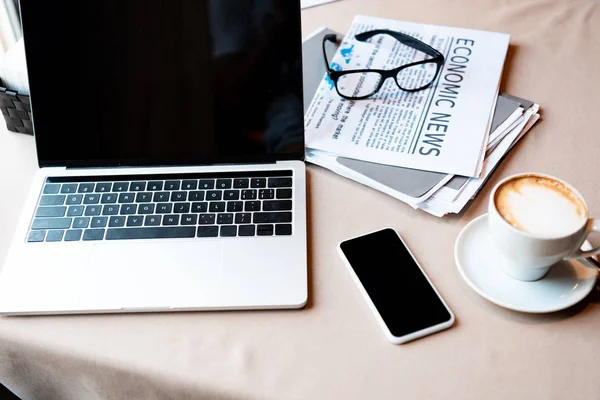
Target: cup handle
{"type": "Point", "coordinates": [593, 225]}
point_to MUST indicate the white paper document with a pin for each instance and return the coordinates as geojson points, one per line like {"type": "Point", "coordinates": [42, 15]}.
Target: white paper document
{"type": "Point", "coordinates": [444, 128]}
{"type": "Point", "coordinates": [438, 206]}
{"type": "Point", "coordinates": [312, 3]}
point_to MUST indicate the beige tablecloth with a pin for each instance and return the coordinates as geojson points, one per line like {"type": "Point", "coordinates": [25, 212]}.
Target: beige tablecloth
{"type": "Point", "coordinates": [333, 349]}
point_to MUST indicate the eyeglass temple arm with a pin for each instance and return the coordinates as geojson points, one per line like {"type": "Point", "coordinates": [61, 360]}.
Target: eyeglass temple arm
{"type": "Point", "coordinates": [402, 38]}
{"type": "Point", "coordinates": [331, 37]}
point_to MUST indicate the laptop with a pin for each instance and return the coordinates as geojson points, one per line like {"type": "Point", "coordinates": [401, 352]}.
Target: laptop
{"type": "Point", "coordinates": [170, 141]}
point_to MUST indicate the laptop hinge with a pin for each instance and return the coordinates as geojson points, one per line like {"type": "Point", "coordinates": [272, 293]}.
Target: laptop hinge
{"type": "Point", "coordinates": [88, 168]}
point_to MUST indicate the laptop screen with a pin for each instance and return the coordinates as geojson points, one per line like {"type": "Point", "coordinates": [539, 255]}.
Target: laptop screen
{"type": "Point", "coordinates": [164, 82]}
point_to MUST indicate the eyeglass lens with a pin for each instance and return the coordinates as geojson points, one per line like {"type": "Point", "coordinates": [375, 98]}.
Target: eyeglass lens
{"type": "Point", "coordinates": [416, 76]}
{"type": "Point", "coordinates": [361, 84]}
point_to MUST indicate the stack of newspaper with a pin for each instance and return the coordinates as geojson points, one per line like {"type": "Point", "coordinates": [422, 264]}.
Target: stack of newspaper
{"type": "Point", "coordinates": [433, 149]}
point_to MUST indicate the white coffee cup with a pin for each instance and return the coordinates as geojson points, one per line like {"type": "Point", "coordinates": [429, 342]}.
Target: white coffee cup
{"type": "Point", "coordinates": [549, 222]}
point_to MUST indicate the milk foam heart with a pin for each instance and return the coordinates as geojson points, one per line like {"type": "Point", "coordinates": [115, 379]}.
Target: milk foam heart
{"type": "Point", "coordinates": [540, 206]}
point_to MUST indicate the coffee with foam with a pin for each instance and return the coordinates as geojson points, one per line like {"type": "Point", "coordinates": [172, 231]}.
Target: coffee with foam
{"type": "Point", "coordinates": [540, 205]}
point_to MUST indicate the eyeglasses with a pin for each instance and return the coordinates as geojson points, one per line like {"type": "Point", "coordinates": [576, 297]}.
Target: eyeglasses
{"type": "Point", "coordinates": [360, 84]}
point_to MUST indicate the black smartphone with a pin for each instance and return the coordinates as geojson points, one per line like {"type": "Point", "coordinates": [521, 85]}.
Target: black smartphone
{"type": "Point", "coordinates": [396, 288]}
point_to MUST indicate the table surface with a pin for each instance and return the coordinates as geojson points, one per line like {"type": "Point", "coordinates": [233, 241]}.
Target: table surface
{"type": "Point", "coordinates": [333, 348]}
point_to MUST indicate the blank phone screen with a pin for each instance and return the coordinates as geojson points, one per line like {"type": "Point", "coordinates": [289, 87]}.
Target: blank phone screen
{"type": "Point", "coordinates": [398, 288]}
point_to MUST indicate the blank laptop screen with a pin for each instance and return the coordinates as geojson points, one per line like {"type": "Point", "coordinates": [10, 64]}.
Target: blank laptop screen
{"type": "Point", "coordinates": [164, 82]}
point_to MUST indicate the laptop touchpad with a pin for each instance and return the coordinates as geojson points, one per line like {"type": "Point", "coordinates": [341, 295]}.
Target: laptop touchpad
{"type": "Point", "coordinates": [151, 273]}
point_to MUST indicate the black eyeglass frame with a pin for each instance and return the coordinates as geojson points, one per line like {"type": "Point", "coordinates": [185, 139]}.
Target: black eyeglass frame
{"type": "Point", "coordinates": [437, 58]}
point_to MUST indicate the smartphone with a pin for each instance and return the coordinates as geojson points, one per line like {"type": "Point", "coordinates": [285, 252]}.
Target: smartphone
{"type": "Point", "coordinates": [399, 293]}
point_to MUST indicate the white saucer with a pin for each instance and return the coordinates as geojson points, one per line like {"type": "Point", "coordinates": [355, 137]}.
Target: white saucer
{"type": "Point", "coordinates": [565, 285]}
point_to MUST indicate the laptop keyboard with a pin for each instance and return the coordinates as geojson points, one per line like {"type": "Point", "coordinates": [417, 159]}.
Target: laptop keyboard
{"type": "Point", "coordinates": [163, 206]}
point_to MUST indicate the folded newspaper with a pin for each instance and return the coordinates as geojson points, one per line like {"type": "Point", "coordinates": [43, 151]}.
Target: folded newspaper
{"type": "Point", "coordinates": [434, 192]}
{"type": "Point", "coordinates": [440, 129]}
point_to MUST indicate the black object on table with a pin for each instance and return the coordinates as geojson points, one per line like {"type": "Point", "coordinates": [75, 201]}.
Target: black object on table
{"type": "Point", "coordinates": [16, 110]}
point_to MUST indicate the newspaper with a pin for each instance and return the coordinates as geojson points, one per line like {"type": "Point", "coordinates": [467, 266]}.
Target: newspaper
{"type": "Point", "coordinates": [442, 129]}
{"type": "Point", "coordinates": [510, 127]}
{"type": "Point", "coordinates": [313, 3]}
{"type": "Point", "coordinates": [439, 207]}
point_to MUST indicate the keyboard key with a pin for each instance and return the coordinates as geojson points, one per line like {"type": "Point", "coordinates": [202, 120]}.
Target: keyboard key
{"type": "Point", "coordinates": [258, 182]}
{"type": "Point", "coordinates": [52, 200]}
{"type": "Point", "coordinates": [75, 211]}
{"type": "Point", "coordinates": [164, 208]}
{"type": "Point", "coordinates": [128, 209]}
{"type": "Point", "coordinates": [160, 197]}
{"type": "Point", "coordinates": [51, 223]}
{"type": "Point", "coordinates": [81, 222]}
{"type": "Point", "coordinates": [36, 236]}
{"type": "Point", "coordinates": [196, 196]}
{"type": "Point", "coordinates": [74, 199]}
{"type": "Point", "coordinates": [228, 230]}
{"type": "Point", "coordinates": [249, 194]}
{"type": "Point", "coordinates": [152, 220]}
{"type": "Point", "coordinates": [50, 188]}
{"type": "Point", "coordinates": [231, 195]}
{"type": "Point", "coordinates": [283, 194]}
{"type": "Point", "coordinates": [280, 182]}
{"type": "Point", "coordinates": [189, 219]}
{"type": "Point", "coordinates": [243, 218]}
{"type": "Point", "coordinates": [126, 198]}
{"type": "Point", "coordinates": [179, 196]}
{"type": "Point", "coordinates": [137, 186]}
{"type": "Point", "coordinates": [92, 210]}
{"type": "Point", "coordinates": [108, 198]}
{"type": "Point", "coordinates": [86, 187]}
{"type": "Point", "coordinates": [200, 207]}
{"type": "Point", "coordinates": [206, 184]}
{"type": "Point", "coordinates": [172, 185]}
{"type": "Point", "coordinates": [73, 235]}
{"type": "Point", "coordinates": [225, 219]}
{"type": "Point", "coordinates": [143, 198]}
{"type": "Point", "coordinates": [115, 222]}
{"type": "Point", "coordinates": [99, 222]}
{"type": "Point", "coordinates": [181, 208]}
{"type": "Point", "coordinates": [264, 194]}
{"type": "Point", "coordinates": [93, 234]}
{"type": "Point", "coordinates": [55, 236]}
{"type": "Point", "coordinates": [235, 206]}
{"type": "Point", "coordinates": [103, 187]}
{"type": "Point", "coordinates": [91, 199]}
{"type": "Point", "coordinates": [246, 230]}
{"type": "Point", "coordinates": [283, 229]}
{"type": "Point", "coordinates": [146, 209]}
{"type": "Point", "coordinates": [51, 211]}
{"type": "Point", "coordinates": [189, 184]}
{"type": "Point", "coordinates": [208, 231]}
{"type": "Point", "coordinates": [264, 230]}
{"type": "Point", "coordinates": [135, 220]}
{"type": "Point", "coordinates": [223, 183]}
{"type": "Point", "coordinates": [120, 187]}
{"type": "Point", "coordinates": [272, 217]}
{"type": "Point", "coordinates": [206, 219]}
{"type": "Point", "coordinates": [68, 188]}
{"type": "Point", "coordinates": [171, 220]}
{"type": "Point", "coordinates": [110, 209]}
{"type": "Point", "coordinates": [155, 186]}
{"type": "Point", "coordinates": [241, 183]}
{"type": "Point", "coordinates": [151, 233]}
{"type": "Point", "coordinates": [252, 206]}
{"type": "Point", "coordinates": [217, 206]}
{"type": "Point", "coordinates": [214, 195]}
{"type": "Point", "coordinates": [277, 205]}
